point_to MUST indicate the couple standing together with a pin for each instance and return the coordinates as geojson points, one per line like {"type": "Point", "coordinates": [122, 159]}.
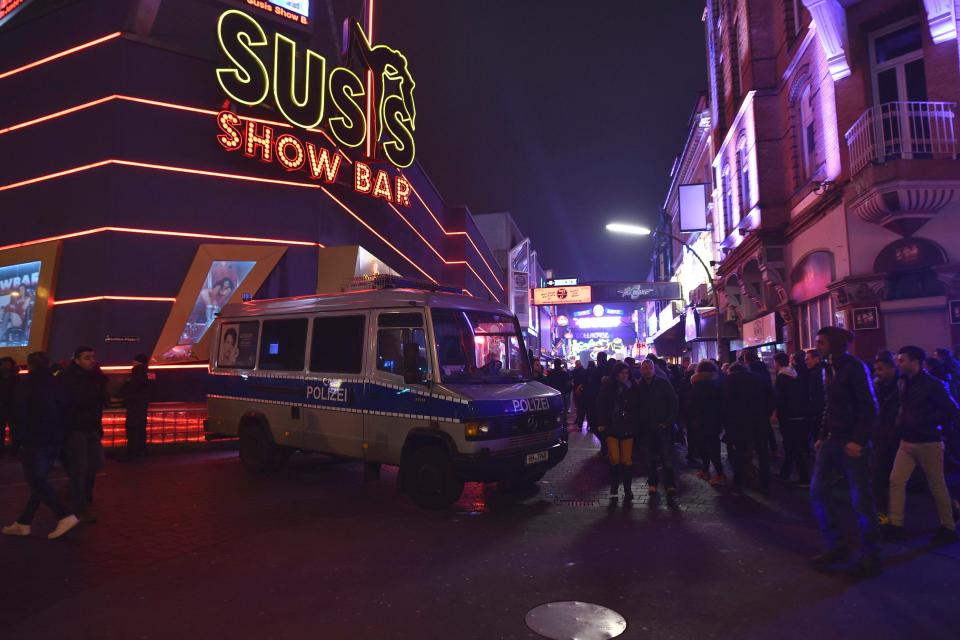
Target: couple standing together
{"type": "Point", "coordinates": [640, 412]}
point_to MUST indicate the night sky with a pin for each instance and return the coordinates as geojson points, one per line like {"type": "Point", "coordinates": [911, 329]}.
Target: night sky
{"type": "Point", "coordinates": [565, 115]}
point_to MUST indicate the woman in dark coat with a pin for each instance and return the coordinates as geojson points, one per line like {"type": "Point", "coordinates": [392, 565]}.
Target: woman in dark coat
{"type": "Point", "coordinates": [617, 423]}
{"type": "Point", "coordinates": [704, 411]}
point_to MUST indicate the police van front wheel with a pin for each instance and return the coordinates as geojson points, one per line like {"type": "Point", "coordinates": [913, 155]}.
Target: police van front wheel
{"type": "Point", "coordinates": [430, 479]}
{"type": "Point", "coordinates": [258, 453]}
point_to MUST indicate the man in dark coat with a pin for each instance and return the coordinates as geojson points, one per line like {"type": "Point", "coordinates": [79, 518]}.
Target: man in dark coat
{"type": "Point", "coordinates": [559, 379]}
{"type": "Point", "coordinates": [87, 390]}
{"type": "Point", "coordinates": [40, 413]}
{"type": "Point", "coordinates": [136, 394]}
{"type": "Point", "coordinates": [657, 412]}
{"type": "Point", "coordinates": [885, 440]}
{"type": "Point", "coordinates": [748, 402]}
{"type": "Point", "coordinates": [594, 384]}
{"type": "Point", "coordinates": [791, 416]}
{"type": "Point", "coordinates": [579, 378]}
{"type": "Point", "coordinates": [843, 447]}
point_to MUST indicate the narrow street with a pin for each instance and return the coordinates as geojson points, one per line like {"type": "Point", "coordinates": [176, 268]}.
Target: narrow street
{"type": "Point", "coordinates": [189, 543]}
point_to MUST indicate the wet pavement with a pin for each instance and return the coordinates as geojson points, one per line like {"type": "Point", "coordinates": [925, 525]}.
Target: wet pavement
{"type": "Point", "coordinates": [189, 545]}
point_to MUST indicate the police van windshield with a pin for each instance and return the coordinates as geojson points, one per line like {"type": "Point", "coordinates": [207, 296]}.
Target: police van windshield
{"type": "Point", "coordinates": [479, 346]}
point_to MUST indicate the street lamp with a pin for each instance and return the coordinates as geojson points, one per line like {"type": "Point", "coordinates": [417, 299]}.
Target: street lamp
{"type": "Point", "coordinates": [638, 230]}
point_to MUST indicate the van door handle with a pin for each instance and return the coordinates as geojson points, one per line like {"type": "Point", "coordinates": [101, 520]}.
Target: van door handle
{"type": "Point", "coordinates": [295, 413]}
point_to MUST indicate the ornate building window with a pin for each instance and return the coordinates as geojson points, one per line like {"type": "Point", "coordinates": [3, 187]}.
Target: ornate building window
{"type": "Point", "coordinates": [726, 185]}
{"type": "Point", "coordinates": [743, 175]}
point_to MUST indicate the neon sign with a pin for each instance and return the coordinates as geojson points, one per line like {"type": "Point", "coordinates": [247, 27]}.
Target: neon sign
{"type": "Point", "coordinates": [9, 7]}
{"type": "Point", "coordinates": [308, 96]}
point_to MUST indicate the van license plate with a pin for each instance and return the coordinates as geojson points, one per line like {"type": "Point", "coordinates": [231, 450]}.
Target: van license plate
{"type": "Point", "coordinates": [534, 458]}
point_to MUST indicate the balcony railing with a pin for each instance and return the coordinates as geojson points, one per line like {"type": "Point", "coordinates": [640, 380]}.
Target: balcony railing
{"type": "Point", "coordinates": [902, 130]}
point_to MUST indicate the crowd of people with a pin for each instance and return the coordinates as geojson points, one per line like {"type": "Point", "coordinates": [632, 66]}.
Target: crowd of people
{"type": "Point", "coordinates": [54, 412]}
{"type": "Point", "coordinates": [837, 420]}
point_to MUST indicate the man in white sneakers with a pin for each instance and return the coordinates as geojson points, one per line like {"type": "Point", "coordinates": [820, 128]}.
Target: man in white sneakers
{"type": "Point", "coordinates": [40, 412]}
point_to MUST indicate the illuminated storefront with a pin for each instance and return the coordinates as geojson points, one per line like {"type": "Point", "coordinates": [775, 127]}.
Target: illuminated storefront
{"type": "Point", "coordinates": [167, 158]}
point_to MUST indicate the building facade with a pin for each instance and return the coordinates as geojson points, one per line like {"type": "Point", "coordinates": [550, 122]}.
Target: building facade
{"type": "Point", "coordinates": [834, 170]}
{"type": "Point", "coordinates": [151, 176]}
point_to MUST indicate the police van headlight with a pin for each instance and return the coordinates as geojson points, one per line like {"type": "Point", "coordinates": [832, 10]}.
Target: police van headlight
{"type": "Point", "coordinates": [476, 429]}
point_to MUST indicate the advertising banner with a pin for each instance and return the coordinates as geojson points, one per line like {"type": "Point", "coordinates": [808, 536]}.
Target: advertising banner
{"type": "Point", "coordinates": [562, 295]}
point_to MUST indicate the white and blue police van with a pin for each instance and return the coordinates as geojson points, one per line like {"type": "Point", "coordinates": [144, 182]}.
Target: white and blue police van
{"type": "Point", "coordinates": [435, 382]}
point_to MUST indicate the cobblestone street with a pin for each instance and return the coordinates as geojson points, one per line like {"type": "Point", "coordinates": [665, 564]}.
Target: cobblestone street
{"type": "Point", "coordinates": [189, 541]}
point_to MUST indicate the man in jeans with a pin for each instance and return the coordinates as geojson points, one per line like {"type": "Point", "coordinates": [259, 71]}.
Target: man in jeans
{"type": "Point", "coordinates": [925, 406]}
{"type": "Point", "coordinates": [843, 446]}
{"type": "Point", "coordinates": [87, 390]}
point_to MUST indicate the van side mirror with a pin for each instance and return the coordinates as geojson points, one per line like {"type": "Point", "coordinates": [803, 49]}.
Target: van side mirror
{"type": "Point", "coordinates": [411, 364]}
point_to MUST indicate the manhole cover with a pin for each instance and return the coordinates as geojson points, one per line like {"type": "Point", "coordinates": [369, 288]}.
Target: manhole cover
{"type": "Point", "coordinates": [575, 621]}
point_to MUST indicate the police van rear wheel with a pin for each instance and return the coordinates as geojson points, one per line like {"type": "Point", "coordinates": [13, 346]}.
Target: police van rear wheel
{"type": "Point", "coordinates": [258, 453]}
{"type": "Point", "coordinates": [430, 479]}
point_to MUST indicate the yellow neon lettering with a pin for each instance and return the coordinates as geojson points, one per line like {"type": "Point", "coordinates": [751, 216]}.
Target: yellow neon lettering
{"type": "Point", "coordinates": [247, 81]}
{"type": "Point", "coordinates": [362, 177]}
{"type": "Point", "coordinates": [350, 127]}
{"type": "Point", "coordinates": [306, 110]}
{"type": "Point", "coordinates": [401, 150]}
{"type": "Point", "coordinates": [323, 163]}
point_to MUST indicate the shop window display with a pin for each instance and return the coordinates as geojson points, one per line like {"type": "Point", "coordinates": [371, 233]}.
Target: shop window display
{"type": "Point", "coordinates": [18, 294]}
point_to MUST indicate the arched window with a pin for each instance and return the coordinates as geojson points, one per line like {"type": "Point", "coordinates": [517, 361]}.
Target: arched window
{"type": "Point", "coordinates": [743, 175]}
{"type": "Point", "coordinates": [726, 185]}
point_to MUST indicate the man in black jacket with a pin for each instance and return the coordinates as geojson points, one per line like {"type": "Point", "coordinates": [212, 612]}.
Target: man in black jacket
{"type": "Point", "coordinates": [791, 416]}
{"type": "Point", "coordinates": [815, 391]}
{"type": "Point", "coordinates": [748, 402]}
{"type": "Point", "coordinates": [843, 446]}
{"type": "Point", "coordinates": [40, 412]}
{"type": "Point", "coordinates": [925, 406]}
{"type": "Point", "coordinates": [87, 390]}
{"type": "Point", "coordinates": [657, 412]}
{"type": "Point", "coordinates": [136, 394]}
{"type": "Point", "coordinates": [559, 379]}
{"type": "Point", "coordinates": [885, 441]}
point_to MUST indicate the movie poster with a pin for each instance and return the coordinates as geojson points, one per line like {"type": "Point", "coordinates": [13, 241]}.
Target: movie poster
{"type": "Point", "coordinates": [238, 345]}
{"type": "Point", "coordinates": [18, 295]}
{"type": "Point", "coordinates": [222, 280]}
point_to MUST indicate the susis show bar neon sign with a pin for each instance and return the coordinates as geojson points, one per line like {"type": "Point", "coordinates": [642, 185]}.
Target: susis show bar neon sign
{"type": "Point", "coordinates": [261, 141]}
{"type": "Point", "coordinates": [298, 83]}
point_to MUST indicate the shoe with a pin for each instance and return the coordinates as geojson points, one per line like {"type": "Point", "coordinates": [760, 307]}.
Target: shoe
{"type": "Point", "coordinates": [892, 533]}
{"type": "Point", "coordinates": [626, 475]}
{"type": "Point", "coordinates": [703, 475]}
{"type": "Point", "coordinates": [837, 555]}
{"type": "Point", "coordinates": [652, 490]}
{"type": "Point", "coordinates": [614, 481]}
{"type": "Point", "coordinates": [718, 480]}
{"type": "Point", "coordinates": [882, 519]}
{"type": "Point", "coordinates": [865, 567]}
{"type": "Point", "coordinates": [17, 529]}
{"type": "Point", "coordinates": [87, 517]}
{"type": "Point", "coordinates": [64, 525]}
{"type": "Point", "coordinates": [943, 537]}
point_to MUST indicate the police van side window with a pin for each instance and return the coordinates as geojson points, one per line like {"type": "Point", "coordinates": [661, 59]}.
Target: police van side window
{"type": "Point", "coordinates": [395, 330]}
{"type": "Point", "coordinates": [337, 345]}
{"type": "Point", "coordinates": [283, 344]}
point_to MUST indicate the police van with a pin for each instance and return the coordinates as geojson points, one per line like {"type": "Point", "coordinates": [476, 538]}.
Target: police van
{"type": "Point", "coordinates": [436, 382]}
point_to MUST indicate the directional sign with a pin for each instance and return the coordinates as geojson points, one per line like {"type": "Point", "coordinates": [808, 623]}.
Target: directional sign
{"type": "Point", "coordinates": [563, 282]}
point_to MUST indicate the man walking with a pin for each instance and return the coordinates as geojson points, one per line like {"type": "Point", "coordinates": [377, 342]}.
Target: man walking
{"type": "Point", "coordinates": [885, 442]}
{"type": "Point", "coordinates": [559, 379]}
{"type": "Point", "coordinates": [925, 406]}
{"type": "Point", "coordinates": [748, 402]}
{"type": "Point", "coordinates": [40, 412]}
{"type": "Point", "coordinates": [136, 398]}
{"type": "Point", "coordinates": [657, 410]}
{"type": "Point", "coordinates": [791, 410]}
{"type": "Point", "coordinates": [87, 390]}
{"type": "Point", "coordinates": [843, 446]}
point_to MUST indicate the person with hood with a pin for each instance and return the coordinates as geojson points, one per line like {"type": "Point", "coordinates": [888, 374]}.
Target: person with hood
{"type": "Point", "coordinates": [40, 412]}
{"type": "Point", "coordinates": [87, 392]}
{"type": "Point", "coordinates": [657, 410]}
{"type": "Point", "coordinates": [925, 406]}
{"type": "Point", "coordinates": [9, 374]}
{"type": "Point", "coordinates": [617, 423]}
{"type": "Point", "coordinates": [705, 420]}
{"type": "Point", "coordinates": [136, 392]}
{"type": "Point", "coordinates": [843, 446]}
{"type": "Point", "coordinates": [885, 441]}
{"type": "Point", "coordinates": [748, 402]}
{"type": "Point", "coordinates": [792, 418]}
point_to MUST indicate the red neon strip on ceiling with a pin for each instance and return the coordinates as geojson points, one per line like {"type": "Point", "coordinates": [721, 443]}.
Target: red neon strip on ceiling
{"type": "Point", "coordinates": [62, 54]}
{"type": "Point", "coordinates": [121, 298]}
{"type": "Point", "coordinates": [154, 367]}
{"type": "Point", "coordinates": [156, 232]}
